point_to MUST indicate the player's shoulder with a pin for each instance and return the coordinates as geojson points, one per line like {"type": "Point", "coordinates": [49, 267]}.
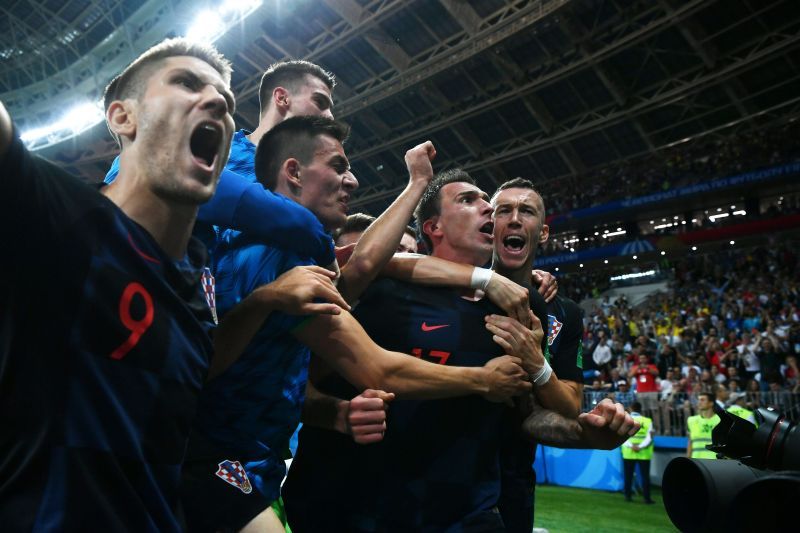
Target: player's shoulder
{"type": "Point", "coordinates": [564, 307]}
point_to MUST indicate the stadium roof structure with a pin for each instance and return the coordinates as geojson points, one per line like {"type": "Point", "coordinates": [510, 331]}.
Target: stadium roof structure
{"type": "Point", "coordinates": [536, 88]}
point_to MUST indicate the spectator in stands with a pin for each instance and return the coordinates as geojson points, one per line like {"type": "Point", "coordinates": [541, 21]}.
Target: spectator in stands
{"type": "Point", "coordinates": [791, 373]}
{"type": "Point", "coordinates": [770, 361]}
{"type": "Point", "coordinates": [602, 353]}
{"type": "Point", "coordinates": [597, 392]}
{"type": "Point", "coordinates": [749, 361]}
{"type": "Point", "coordinates": [644, 374]}
{"type": "Point", "coordinates": [668, 386]}
{"type": "Point", "coordinates": [753, 392]}
{"type": "Point", "coordinates": [667, 358]}
{"type": "Point", "coordinates": [623, 394]}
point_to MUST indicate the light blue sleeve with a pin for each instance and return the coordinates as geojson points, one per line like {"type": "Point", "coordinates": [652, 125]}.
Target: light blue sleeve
{"type": "Point", "coordinates": [261, 214]}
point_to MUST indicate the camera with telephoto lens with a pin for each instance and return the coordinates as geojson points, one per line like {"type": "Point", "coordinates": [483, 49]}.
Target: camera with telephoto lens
{"type": "Point", "coordinates": [756, 490]}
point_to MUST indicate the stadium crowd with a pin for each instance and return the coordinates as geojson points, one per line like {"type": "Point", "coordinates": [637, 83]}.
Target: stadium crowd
{"type": "Point", "coordinates": [695, 161]}
{"type": "Point", "coordinates": [729, 324]}
{"type": "Point", "coordinates": [570, 241]}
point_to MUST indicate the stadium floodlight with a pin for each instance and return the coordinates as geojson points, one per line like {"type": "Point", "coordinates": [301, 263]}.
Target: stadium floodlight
{"type": "Point", "coordinates": [211, 24]}
{"type": "Point", "coordinates": [208, 26]}
{"type": "Point", "coordinates": [78, 119]}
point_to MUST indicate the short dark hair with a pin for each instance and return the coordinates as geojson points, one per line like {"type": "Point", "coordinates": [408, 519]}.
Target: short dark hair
{"type": "Point", "coordinates": [517, 183]}
{"type": "Point", "coordinates": [430, 205]}
{"type": "Point", "coordinates": [130, 83]}
{"type": "Point", "coordinates": [355, 223]}
{"type": "Point", "coordinates": [294, 137]}
{"type": "Point", "coordinates": [411, 230]}
{"type": "Point", "coordinates": [636, 406]}
{"type": "Point", "coordinates": [710, 395]}
{"type": "Point", "coordinates": [290, 75]}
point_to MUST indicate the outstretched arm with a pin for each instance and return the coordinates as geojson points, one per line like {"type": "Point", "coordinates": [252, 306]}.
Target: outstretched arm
{"type": "Point", "coordinates": [241, 204]}
{"type": "Point", "coordinates": [605, 427]}
{"type": "Point", "coordinates": [342, 342]}
{"type": "Point", "coordinates": [296, 291]}
{"type": "Point", "coordinates": [379, 242]}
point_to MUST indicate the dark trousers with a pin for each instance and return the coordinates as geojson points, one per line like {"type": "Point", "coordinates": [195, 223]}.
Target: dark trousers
{"type": "Point", "coordinates": [644, 476]}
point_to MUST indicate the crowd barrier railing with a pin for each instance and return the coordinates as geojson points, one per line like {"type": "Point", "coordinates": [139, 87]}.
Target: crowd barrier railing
{"type": "Point", "coordinates": [670, 411]}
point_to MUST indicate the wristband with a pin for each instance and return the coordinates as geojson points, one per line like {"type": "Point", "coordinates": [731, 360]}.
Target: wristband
{"type": "Point", "coordinates": [480, 278]}
{"type": "Point", "coordinates": [543, 375]}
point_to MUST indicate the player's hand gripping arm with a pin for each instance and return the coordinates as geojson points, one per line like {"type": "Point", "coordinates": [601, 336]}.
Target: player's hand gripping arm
{"type": "Point", "coordinates": [432, 271]}
{"type": "Point", "coordinates": [563, 397]}
{"type": "Point", "coordinates": [296, 291]}
{"type": "Point", "coordinates": [379, 242]}
{"type": "Point", "coordinates": [344, 344]}
{"type": "Point", "coordinates": [547, 283]}
{"type": "Point", "coordinates": [605, 427]}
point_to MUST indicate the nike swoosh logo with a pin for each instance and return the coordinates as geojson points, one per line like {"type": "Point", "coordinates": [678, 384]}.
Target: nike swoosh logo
{"type": "Point", "coordinates": [426, 327]}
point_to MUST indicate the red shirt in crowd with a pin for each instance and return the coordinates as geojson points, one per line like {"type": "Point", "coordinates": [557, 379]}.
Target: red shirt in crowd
{"type": "Point", "coordinates": [645, 376]}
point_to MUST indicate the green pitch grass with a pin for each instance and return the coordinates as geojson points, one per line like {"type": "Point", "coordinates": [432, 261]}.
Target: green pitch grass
{"type": "Point", "coordinates": [568, 510]}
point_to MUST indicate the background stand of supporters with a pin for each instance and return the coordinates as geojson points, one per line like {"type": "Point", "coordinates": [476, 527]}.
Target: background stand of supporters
{"type": "Point", "coordinates": [729, 324]}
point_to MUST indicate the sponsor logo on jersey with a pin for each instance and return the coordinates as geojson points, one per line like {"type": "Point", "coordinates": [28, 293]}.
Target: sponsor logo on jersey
{"type": "Point", "coordinates": [553, 329]}
{"type": "Point", "coordinates": [232, 473]}
{"type": "Point", "coordinates": [426, 327]}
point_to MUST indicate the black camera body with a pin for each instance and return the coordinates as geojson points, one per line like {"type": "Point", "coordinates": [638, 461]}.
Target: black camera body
{"type": "Point", "coordinates": [756, 491]}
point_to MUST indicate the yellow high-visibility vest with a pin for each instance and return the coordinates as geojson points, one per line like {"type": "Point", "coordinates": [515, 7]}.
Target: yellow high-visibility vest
{"type": "Point", "coordinates": [700, 435]}
{"type": "Point", "coordinates": [644, 454]}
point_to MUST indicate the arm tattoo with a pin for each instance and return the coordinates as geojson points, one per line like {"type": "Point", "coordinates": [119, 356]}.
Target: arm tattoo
{"type": "Point", "coordinates": [551, 429]}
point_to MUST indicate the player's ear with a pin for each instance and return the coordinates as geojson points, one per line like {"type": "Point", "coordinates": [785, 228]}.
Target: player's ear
{"type": "Point", "coordinates": [291, 171]}
{"type": "Point", "coordinates": [544, 234]}
{"type": "Point", "coordinates": [121, 119]}
{"type": "Point", "coordinates": [282, 99]}
{"type": "Point", "coordinates": [431, 226]}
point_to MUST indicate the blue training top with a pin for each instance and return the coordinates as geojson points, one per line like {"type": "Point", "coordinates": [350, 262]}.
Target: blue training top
{"type": "Point", "coordinates": [250, 410]}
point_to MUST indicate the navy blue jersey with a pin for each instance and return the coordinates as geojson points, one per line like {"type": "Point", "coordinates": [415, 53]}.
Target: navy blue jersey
{"type": "Point", "coordinates": [563, 334]}
{"type": "Point", "coordinates": [437, 467]}
{"type": "Point", "coordinates": [104, 346]}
